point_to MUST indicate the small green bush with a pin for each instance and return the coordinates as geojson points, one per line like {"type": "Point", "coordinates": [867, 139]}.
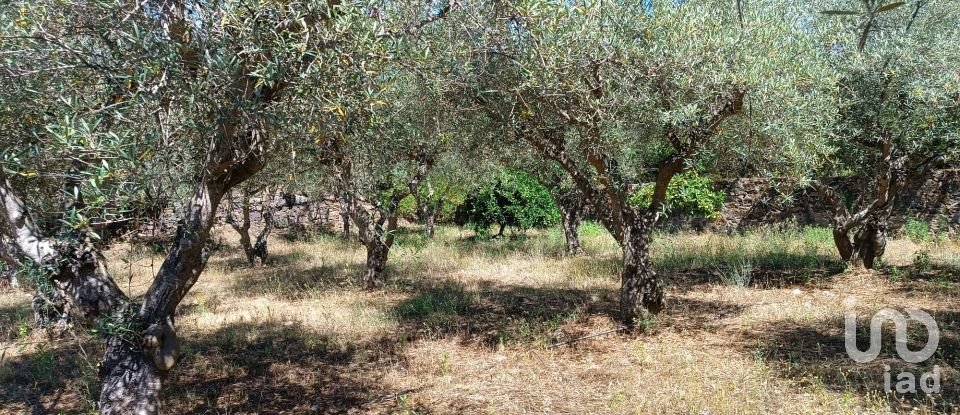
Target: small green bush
{"type": "Point", "coordinates": [407, 208]}
{"type": "Point", "coordinates": [917, 230]}
{"type": "Point", "coordinates": [688, 193]}
{"type": "Point", "coordinates": [922, 261]}
{"type": "Point", "coordinates": [512, 199]}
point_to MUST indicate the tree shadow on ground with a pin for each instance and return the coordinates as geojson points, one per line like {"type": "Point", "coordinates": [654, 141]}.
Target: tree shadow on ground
{"type": "Point", "coordinates": [293, 283]}
{"type": "Point", "coordinates": [54, 377]}
{"type": "Point", "coordinates": [926, 279]}
{"type": "Point", "coordinates": [496, 314]}
{"type": "Point", "coordinates": [13, 319]}
{"type": "Point", "coordinates": [278, 368]}
{"type": "Point", "coordinates": [814, 355]}
{"type": "Point", "coordinates": [764, 271]}
{"type": "Point", "coordinates": [511, 244]}
{"type": "Point", "coordinates": [240, 263]}
{"type": "Point", "coordinates": [240, 368]}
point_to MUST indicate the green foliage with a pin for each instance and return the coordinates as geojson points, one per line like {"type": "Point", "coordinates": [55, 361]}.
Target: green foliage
{"type": "Point", "coordinates": [815, 236]}
{"type": "Point", "coordinates": [591, 228]}
{"type": "Point", "coordinates": [122, 324]}
{"type": "Point", "coordinates": [917, 230]}
{"type": "Point", "coordinates": [512, 199]}
{"type": "Point", "coordinates": [922, 261]}
{"type": "Point", "coordinates": [897, 81]}
{"type": "Point", "coordinates": [688, 193]}
{"type": "Point", "coordinates": [407, 208]}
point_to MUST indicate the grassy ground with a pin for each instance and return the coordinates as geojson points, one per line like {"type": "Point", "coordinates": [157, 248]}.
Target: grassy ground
{"type": "Point", "coordinates": [754, 324]}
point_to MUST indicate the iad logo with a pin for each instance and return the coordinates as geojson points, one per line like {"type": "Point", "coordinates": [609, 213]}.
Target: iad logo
{"type": "Point", "coordinates": [906, 381]}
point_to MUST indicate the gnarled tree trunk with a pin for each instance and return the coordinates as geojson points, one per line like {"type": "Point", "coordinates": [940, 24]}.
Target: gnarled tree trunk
{"type": "Point", "coordinates": [9, 265]}
{"type": "Point", "coordinates": [255, 252]}
{"type": "Point", "coordinates": [243, 227]}
{"type": "Point", "coordinates": [378, 236]}
{"type": "Point", "coordinates": [344, 216]}
{"type": "Point", "coordinates": [427, 213]}
{"type": "Point", "coordinates": [869, 244]}
{"type": "Point", "coordinates": [866, 246]}
{"type": "Point", "coordinates": [137, 358]}
{"type": "Point", "coordinates": [376, 223]}
{"type": "Point", "coordinates": [869, 224]}
{"type": "Point", "coordinates": [260, 252]}
{"type": "Point", "coordinates": [133, 374]}
{"type": "Point", "coordinates": [572, 209]}
{"type": "Point", "coordinates": [377, 253]}
{"type": "Point", "coordinates": [641, 293]}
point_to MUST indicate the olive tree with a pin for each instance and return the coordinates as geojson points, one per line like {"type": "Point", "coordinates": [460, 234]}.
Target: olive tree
{"type": "Point", "coordinates": [255, 250]}
{"type": "Point", "coordinates": [383, 152]}
{"type": "Point", "coordinates": [385, 132]}
{"type": "Point", "coordinates": [898, 107]}
{"type": "Point", "coordinates": [154, 79]}
{"type": "Point", "coordinates": [570, 202]}
{"type": "Point", "coordinates": [618, 93]}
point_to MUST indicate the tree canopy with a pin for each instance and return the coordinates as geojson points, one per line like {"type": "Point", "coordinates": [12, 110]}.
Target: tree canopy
{"type": "Point", "coordinates": [112, 111]}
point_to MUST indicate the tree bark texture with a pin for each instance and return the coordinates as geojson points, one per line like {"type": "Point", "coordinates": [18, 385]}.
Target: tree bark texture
{"type": "Point", "coordinates": [868, 225]}
{"type": "Point", "coordinates": [256, 252]}
{"type": "Point", "coordinates": [572, 210]}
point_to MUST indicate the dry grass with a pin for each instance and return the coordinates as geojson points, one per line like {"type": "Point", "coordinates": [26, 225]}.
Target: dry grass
{"type": "Point", "coordinates": [754, 325]}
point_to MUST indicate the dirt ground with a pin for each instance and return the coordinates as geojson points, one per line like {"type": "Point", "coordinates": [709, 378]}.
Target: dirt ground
{"type": "Point", "coordinates": [754, 324]}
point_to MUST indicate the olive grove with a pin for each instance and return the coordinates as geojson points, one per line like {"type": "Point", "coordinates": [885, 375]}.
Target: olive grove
{"type": "Point", "coordinates": [618, 93]}
{"type": "Point", "coordinates": [113, 111]}
{"type": "Point", "coordinates": [198, 80]}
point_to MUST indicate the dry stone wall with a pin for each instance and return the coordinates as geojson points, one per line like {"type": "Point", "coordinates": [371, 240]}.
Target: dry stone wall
{"type": "Point", "coordinates": [290, 212]}
{"type": "Point", "coordinates": [752, 202]}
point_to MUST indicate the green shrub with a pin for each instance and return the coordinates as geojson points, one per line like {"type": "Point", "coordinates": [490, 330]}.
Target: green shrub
{"type": "Point", "coordinates": [512, 199]}
{"type": "Point", "coordinates": [407, 208]}
{"type": "Point", "coordinates": [922, 261]}
{"type": "Point", "coordinates": [917, 230]}
{"type": "Point", "coordinates": [688, 193]}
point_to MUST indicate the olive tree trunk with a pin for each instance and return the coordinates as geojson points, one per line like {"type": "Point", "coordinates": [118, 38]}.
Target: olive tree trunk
{"type": "Point", "coordinates": [860, 237]}
{"type": "Point", "coordinates": [9, 265]}
{"type": "Point", "coordinates": [377, 227]}
{"type": "Point", "coordinates": [377, 254]}
{"type": "Point", "coordinates": [344, 216]}
{"type": "Point", "coordinates": [138, 357]}
{"type": "Point", "coordinates": [427, 214]}
{"type": "Point", "coordinates": [133, 373]}
{"type": "Point", "coordinates": [641, 293]}
{"type": "Point", "coordinates": [375, 223]}
{"type": "Point", "coordinates": [572, 210]}
{"type": "Point", "coordinates": [260, 252]}
{"type": "Point", "coordinates": [426, 211]}
{"type": "Point", "coordinates": [255, 252]}
{"type": "Point", "coordinates": [376, 219]}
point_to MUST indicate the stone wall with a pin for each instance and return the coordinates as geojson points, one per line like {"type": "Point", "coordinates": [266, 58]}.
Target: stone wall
{"type": "Point", "coordinates": [753, 202]}
{"type": "Point", "coordinates": [290, 211]}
